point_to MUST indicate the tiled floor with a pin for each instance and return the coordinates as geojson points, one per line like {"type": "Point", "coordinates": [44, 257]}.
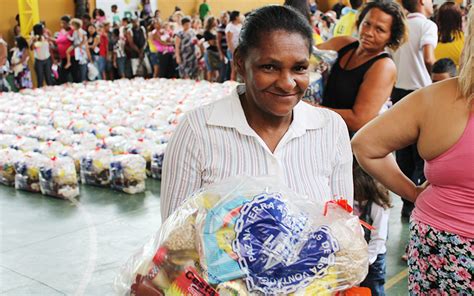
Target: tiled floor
{"type": "Point", "coordinates": [53, 247]}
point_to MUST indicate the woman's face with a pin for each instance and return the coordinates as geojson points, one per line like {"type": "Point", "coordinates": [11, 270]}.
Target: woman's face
{"type": "Point", "coordinates": [276, 72]}
{"type": "Point", "coordinates": [91, 29]}
{"type": "Point", "coordinates": [64, 25]}
{"type": "Point", "coordinates": [375, 30]}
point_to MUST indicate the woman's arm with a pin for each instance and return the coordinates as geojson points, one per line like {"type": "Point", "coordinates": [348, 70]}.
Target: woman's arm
{"type": "Point", "coordinates": [177, 46]}
{"type": "Point", "coordinates": [181, 169]}
{"type": "Point", "coordinates": [393, 130]}
{"type": "Point", "coordinates": [336, 43]}
{"type": "Point", "coordinates": [219, 46]}
{"type": "Point", "coordinates": [373, 93]}
{"type": "Point", "coordinates": [230, 45]}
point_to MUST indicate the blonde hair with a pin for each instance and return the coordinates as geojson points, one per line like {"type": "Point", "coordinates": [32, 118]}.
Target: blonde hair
{"type": "Point", "coordinates": [76, 22]}
{"type": "Point", "coordinates": [466, 75]}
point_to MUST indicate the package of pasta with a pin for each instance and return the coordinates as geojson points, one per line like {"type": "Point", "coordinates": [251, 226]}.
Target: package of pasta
{"type": "Point", "coordinates": [27, 170]}
{"type": "Point", "coordinates": [8, 157]}
{"type": "Point", "coordinates": [250, 236]}
{"type": "Point", "coordinates": [319, 76]}
{"type": "Point", "coordinates": [95, 167]}
{"type": "Point", "coordinates": [58, 178]}
{"type": "Point", "coordinates": [128, 173]}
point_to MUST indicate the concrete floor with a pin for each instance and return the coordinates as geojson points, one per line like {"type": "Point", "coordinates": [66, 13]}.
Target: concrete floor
{"type": "Point", "coordinates": [53, 247]}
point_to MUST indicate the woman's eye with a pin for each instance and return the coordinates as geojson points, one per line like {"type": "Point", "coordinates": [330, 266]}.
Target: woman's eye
{"type": "Point", "coordinates": [268, 67]}
{"type": "Point", "coordinates": [301, 69]}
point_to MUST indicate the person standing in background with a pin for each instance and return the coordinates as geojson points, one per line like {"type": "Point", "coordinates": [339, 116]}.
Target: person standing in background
{"type": "Point", "coordinates": [115, 17]}
{"type": "Point", "coordinates": [204, 10]}
{"type": "Point", "coordinates": [43, 63]}
{"type": "Point", "coordinates": [4, 65]}
{"type": "Point", "coordinates": [19, 63]}
{"type": "Point", "coordinates": [63, 43]}
{"type": "Point", "coordinates": [414, 61]}
{"type": "Point", "coordinates": [224, 72]}
{"type": "Point", "coordinates": [451, 35]}
{"type": "Point", "coordinates": [232, 32]}
{"type": "Point", "coordinates": [346, 26]}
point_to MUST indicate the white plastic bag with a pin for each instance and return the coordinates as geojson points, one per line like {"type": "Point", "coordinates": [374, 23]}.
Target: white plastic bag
{"type": "Point", "coordinates": [128, 173]}
{"type": "Point", "coordinates": [58, 178]}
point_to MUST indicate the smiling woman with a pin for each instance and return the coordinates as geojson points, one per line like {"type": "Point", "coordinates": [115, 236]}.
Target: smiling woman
{"type": "Point", "coordinates": [263, 128]}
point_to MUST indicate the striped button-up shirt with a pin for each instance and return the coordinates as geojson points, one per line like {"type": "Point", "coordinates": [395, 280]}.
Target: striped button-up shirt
{"type": "Point", "coordinates": [215, 142]}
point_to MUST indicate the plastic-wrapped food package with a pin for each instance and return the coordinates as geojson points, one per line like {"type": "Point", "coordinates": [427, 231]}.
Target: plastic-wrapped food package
{"type": "Point", "coordinates": [25, 144]}
{"type": "Point", "coordinates": [95, 167]}
{"type": "Point", "coordinates": [128, 173]}
{"type": "Point", "coordinates": [144, 148]}
{"type": "Point", "coordinates": [315, 90]}
{"type": "Point", "coordinates": [250, 236]}
{"type": "Point", "coordinates": [7, 165]}
{"type": "Point", "coordinates": [6, 140]}
{"type": "Point", "coordinates": [58, 178]}
{"type": "Point", "coordinates": [51, 148]}
{"type": "Point", "coordinates": [28, 170]}
{"type": "Point", "coordinates": [157, 157]}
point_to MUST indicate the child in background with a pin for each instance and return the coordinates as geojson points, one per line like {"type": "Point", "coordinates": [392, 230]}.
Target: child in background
{"type": "Point", "coordinates": [119, 56]}
{"type": "Point", "coordinates": [372, 204]}
{"type": "Point", "coordinates": [79, 43]}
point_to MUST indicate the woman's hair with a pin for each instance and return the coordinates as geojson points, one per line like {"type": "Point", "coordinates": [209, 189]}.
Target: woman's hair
{"type": "Point", "coordinates": [210, 23]}
{"type": "Point", "coordinates": [449, 21]}
{"type": "Point", "coordinates": [398, 30]}
{"type": "Point", "coordinates": [21, 43]}
{"type": "Point", "coordinates": [367, 188]}
{"type": "Point", "coordinates": [76, 22]}
{"type": "Point", "coordinates": [466, 74]}
{"type": "Point", "coordinates": [268, 19]}
{"type": "Point", "coordinates": [234, 15]}
{"type": "Point", "coordinates": [38, 29]}
{"type": "Point", "coordinates": [301, 6]}
{"type": "Point", "coordinates": [66, 19]}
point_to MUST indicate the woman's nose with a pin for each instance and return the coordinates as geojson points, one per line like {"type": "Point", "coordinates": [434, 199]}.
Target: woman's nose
{"type": "Point", "coordinates": [286, 81]}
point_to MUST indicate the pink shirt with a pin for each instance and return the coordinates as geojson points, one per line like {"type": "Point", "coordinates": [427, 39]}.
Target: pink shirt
{"type": "Point", "coordinates": [64, 43]}
{"type": "Point", "coordinates": [448, 204]}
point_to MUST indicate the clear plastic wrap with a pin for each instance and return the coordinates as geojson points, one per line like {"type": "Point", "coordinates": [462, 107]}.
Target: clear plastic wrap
{"type": "Point", "coordinates": [128, 173]}
{"type": "Point", "coordinates": [58, 178]}
{"type": "Point", "coordinates": [157, 157]}
{"type": "Point", "coordinates": [95, 167]}
{"type": "Point", "coordinates": [7, 165]}
{"type": "Point", "coordinates": [250, 236]}
{"type": "Point", "coordinates": [318, 78]}
{"type": "Point", "coordinates": [144, 148]}
{"type": "Point", "coordinates": [28, 170]}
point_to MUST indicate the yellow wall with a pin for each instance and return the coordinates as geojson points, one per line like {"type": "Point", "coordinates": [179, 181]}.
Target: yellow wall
{"type": "Point", "coordinates": [190, 7]}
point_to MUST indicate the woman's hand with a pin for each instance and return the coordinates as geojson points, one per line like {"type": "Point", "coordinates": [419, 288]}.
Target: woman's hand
{"type": "Point", "coordinates": [419, 189]}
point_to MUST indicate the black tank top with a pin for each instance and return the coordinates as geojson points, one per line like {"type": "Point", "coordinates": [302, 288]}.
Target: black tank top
{"type": "Point", "coordinates": [343, 85]}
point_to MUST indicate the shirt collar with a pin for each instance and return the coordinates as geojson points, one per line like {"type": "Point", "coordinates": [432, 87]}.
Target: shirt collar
{"type": "Point", "coordinates": [415, 15]}
{"type": "Point", "coordinates": [228, 112]}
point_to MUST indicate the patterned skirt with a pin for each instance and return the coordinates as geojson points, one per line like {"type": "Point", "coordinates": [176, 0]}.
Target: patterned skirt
{"type": "Point", "coordinates": [439, 262]}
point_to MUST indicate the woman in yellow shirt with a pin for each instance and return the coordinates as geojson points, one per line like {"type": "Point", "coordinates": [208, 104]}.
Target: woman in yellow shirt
{"type": "Point", "coordinates": [451, 36]}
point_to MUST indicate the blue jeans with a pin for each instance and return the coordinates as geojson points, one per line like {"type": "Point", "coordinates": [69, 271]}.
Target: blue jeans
{"type": "Point", "coordinates": [121, 62]}
{"type": "Point", "coordinates": [376, 277]}
{"type": "Point", "coordinates": [102, 63]}
{"type": "Point", "coordinates": [43, 71]}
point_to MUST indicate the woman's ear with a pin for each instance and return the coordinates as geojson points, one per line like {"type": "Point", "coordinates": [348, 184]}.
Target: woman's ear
{"type": "Point", "coordinates": [239, 62]}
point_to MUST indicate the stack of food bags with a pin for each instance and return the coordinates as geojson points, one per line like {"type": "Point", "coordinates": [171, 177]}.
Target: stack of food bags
{"type": "Point", "coordinates": [250, 236]}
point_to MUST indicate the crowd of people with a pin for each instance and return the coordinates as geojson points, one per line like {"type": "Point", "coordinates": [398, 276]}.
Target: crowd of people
{"type": "Point", "coordinates": [385, 52]}
{"type": "Point", "coordinates": [113, 45]}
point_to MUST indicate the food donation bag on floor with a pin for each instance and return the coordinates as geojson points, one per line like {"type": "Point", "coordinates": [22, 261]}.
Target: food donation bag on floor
{"type": "Point", "coordinates": [250, 236]}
